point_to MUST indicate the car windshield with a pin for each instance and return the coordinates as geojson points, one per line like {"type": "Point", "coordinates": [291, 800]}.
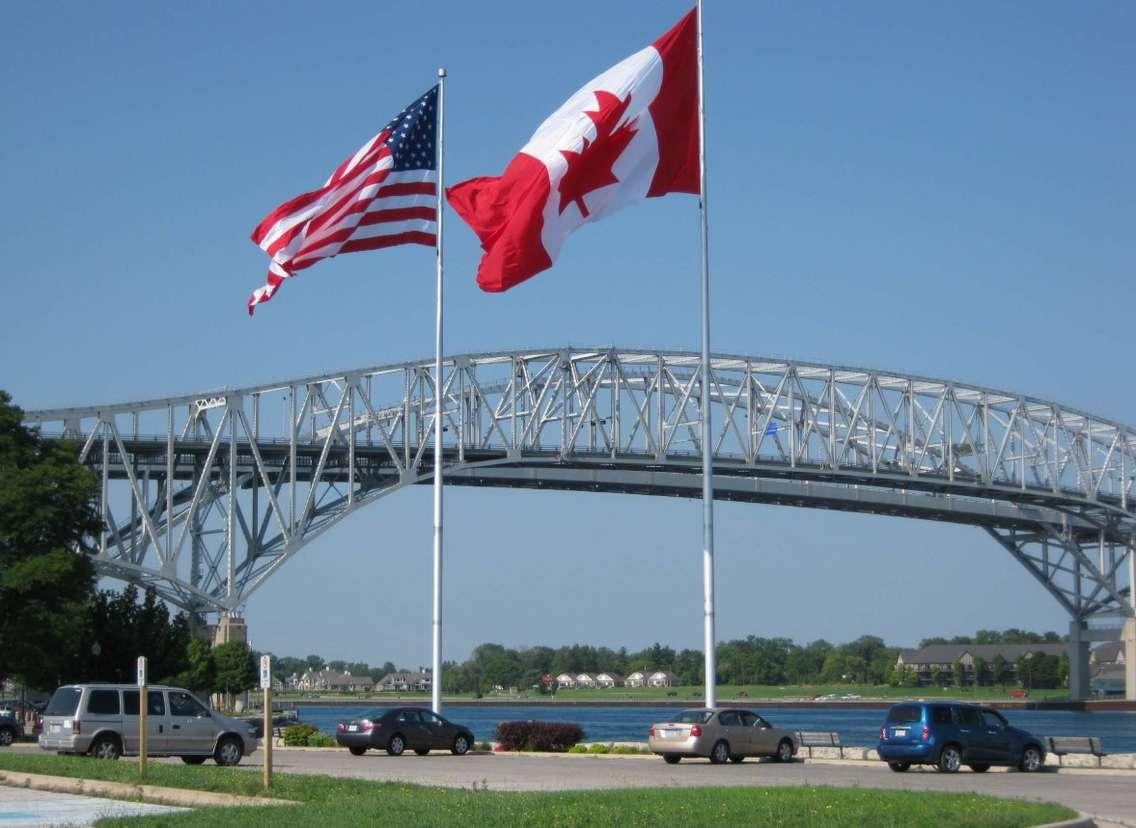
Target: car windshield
{"type": "Point", "coordinates": [64, 702]}
{"type": "Point", "coordinates": [372, 715]}
{"type": "Point", "coordinates": [693, 717]}
{"type": "Point", "coordinates": [905, 714]}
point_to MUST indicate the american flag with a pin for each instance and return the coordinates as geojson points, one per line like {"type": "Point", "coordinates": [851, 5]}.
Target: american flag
{"type": "Point", "coordinates": [384, 195]}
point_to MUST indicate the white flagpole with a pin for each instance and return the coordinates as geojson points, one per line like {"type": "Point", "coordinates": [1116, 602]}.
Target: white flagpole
{"type": "Point", "coordinates": [707, 463]}
{"type": "Point", "coordinates": [436, 676]}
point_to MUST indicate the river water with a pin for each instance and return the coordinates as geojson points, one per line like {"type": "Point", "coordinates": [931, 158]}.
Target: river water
{"type": "Point", "coordinates": [856, 726]}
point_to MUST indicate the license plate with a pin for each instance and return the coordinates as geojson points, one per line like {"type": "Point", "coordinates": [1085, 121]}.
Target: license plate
{"type": "Point", "coordinates": [899, 731]}
{"type": "Point", "coordinates": [670, 732]}
{"type": "Point", "coordinates": [54, 729]}
{"type": "Point", "coordinates": [352, 728]}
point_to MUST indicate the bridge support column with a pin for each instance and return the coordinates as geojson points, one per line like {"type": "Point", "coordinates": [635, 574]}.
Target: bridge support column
{"type": "Point", "coordinates": [1078, 660]}
{"type": "Point", "coordinates": [1128, 639]}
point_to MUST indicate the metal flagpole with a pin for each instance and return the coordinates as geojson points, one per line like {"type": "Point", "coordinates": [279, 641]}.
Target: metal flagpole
{"type": "Point", "coordinates": [436, 675]}
{"type": "Point", "coordinates": [707, 464]}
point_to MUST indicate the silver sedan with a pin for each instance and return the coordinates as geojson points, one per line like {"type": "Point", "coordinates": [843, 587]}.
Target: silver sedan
{"type": "Point", "coordinates": [721, 734]}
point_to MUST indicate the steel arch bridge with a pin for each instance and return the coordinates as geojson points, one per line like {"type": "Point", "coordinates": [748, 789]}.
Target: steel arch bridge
{"type": "Point", "coordinates": [205, 496]}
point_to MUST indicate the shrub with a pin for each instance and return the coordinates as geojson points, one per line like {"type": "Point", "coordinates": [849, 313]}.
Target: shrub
{"type": "Point", "coordinates": [577, 749]}
{"type": "Point", "coordinates": [550, 736]}
{"type": "Point", "coordinates": [483, 746]}
{"type": "Point", "coordinates": [306, 735]}
{"type": "Point", "coordinates": [599, 747]}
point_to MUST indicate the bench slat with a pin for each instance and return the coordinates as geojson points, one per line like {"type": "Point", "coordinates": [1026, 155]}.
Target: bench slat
{"type": "Point", "coordinates": [1062, 745]}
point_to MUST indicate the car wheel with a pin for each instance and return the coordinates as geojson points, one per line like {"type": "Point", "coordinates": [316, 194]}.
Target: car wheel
{"type": "Point", "coordinates": [193, 760]}
{"type": "Point", "coordinates": [784, 751]}
{"type": "Point", "coordinates": [672, 758]}
{"type": "Point", "coordinates": [461, 745]}
{"type": "Point", "coordinates": [106, 747]}
{"type": "Point", "coordinates": [357, 750]}
{"type": "Point", "coordinates": [396, 745]}
{"type": "Point", "coordinates": [980, 767]}
{"type": "Point", "coordinates": [1031, 759]}
{"type": "Point", "coordinates": [899, 767]}
{"type": "Point", "coordinates": [720, 752]}
{"type": "Point", "coordinates": [6, 736]}
{"type": "Point", "coordinates": [949, 759]}
{"type": "Point", "coordinates": [228, 752]}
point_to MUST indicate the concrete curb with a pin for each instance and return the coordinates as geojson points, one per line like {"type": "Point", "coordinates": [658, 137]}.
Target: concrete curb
{"type": "Point", "coordinates": [1083, 821]}
{"type": "Point", "coordinates": [124, 790]}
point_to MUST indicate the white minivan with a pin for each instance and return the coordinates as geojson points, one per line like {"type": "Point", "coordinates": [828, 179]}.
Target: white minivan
{"type": "Point", "coordinates": [102, 720]}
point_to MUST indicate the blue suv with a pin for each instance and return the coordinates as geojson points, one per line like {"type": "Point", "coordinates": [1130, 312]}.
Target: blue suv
{"type": "Point", "coordinates": [949, 735]}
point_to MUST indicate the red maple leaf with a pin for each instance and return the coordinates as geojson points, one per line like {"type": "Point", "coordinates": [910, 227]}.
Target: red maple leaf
{"type": "Point", "coordinates": [591, 167]}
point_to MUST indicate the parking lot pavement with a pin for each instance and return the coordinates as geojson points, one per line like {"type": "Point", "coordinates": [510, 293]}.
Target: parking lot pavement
{"type": "Point", "coordinates": [1105, 794]}
{"type": "Point", "coordinates": [24, 807]}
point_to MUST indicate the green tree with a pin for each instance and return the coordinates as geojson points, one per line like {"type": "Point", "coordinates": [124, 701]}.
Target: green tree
{"type": "Point", "coordinates": [999, 671]}
{"type": "Point", "coordinates": [958, 673]}
{"type": "Point", "coordinates": [979, 671]}
{"type": "Point", "coordinates": [119, 628]}
{"type": "Point", "coordinates": [236, 669]}
{"type": "Point", "coordinates": [46, 514]}
{"type": "Point", "coordinates": [201, 675]}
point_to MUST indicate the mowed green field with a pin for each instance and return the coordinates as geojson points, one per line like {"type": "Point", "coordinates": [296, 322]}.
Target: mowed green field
{"type": "Point", "coordinates": [328, 801]}
{"type": "Point", "coordinates": [726, 693]}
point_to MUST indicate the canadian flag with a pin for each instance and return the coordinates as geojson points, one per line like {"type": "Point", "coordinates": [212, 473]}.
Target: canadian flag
{"type": "Point", "coordinates": [628, 134]}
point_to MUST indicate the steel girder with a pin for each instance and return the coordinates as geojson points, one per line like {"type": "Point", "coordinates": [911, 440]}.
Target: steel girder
{"type": "Point", "coordinates": [205, 496]}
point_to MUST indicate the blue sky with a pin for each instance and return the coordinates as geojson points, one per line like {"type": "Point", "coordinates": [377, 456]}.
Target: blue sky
{"type": "Point", "coordinates": [944, 189]}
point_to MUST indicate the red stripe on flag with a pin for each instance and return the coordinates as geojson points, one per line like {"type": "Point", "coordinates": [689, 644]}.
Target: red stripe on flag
{"type": "Point", "coordinates": [408, 188]}
{"type": "Point", "coordinates": [675, 111]}
{"type": "Point", "coordinates": [398, 214]}
{"type": "Point", "coordinates": [377, 242]}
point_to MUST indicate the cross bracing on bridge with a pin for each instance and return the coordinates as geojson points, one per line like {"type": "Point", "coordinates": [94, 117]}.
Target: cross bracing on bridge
{"type": "Point", "coordinates": [205, 496]}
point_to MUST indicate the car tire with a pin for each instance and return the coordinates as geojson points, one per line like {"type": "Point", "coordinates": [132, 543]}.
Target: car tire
{"type": "Point", "coordinates": [194, 760]}
{"type": "Point", "coordinates": [979, 767]}
{"type": "Point", "coordinates": [357, 750]}
{"type": "Point", "coordinates": [106, 747]}
{"type": "Point", "coordinates": [672, 758]}
{"type": "Point", "coordinates": [784, 751]}
{"type": "Point", "coordinates": [228, 752]}
{"type": "Point", "coordinates": [396, 745]}
{"type": "Point", "coordinates": [950, 759]}
{"type": "Point", "coordinates": [720, 753]}
{"type": "Point", "coordinates": [461, 745]}
{"type": "Point", "coordinates": [1031, 760]}
{"type": "Point", "coordinates": [900, 767]}
{"type": "Point", "coordinates": [7, 736]}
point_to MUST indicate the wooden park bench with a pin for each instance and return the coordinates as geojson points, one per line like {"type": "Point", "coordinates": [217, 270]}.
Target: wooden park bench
{"type": "Point", "coordinates": [1062, 745]}
{"type": "Point", "coordinates": [819, 738]}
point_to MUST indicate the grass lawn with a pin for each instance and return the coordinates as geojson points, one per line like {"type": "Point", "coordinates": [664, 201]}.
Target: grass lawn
{"type": "Point", "coordinates": [330, 801]}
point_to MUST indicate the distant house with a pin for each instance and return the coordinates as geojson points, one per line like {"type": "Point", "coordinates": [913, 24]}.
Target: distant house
{"type": "Point", "coordinates": [585, 680]}
{"type": "Point", "coordinates": [636, 679]}
{"type": "Point", "coordinates": [1107, 669]}
{"type": "Point", "coordinates": [662, 678]}
{"type": "Point", "coordinates": [405, 681]}
{"type": "Point", "coordinates": [943, 657]}
{"type": "Point", "coordinates": [566, 680]}
{"type": "Point", "coordinates": [1110, 653]}
{"type": "Point", "coordinates": [332, 681]}
{"type": "Point", "coordinates": [608, 679]}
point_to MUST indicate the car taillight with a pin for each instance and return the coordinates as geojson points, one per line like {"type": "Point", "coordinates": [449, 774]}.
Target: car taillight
{"type": "Point", "coordinates": [696, 730]}
{"type": "Point", "coordinates": [369, 726]}
{"type": "Point", "coordinates": [651, 730]}
{"type": "Point", "coordinates": [341, 727]}
{"type": "Point", "coordinates": [883, 733]}
{"type": "Point", "coordinates": [926, 733]}
{"type": "Point", "coordinates": [75, 726]}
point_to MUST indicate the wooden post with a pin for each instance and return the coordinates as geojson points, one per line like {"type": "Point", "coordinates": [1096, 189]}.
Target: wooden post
{"type": "Point", "coordinates": [142, 710]}
{"type": "Point", "coordinates": [266, 685]}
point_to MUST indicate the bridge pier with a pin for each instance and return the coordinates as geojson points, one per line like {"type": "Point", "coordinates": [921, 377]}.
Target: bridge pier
{"type": "Point", "coordinates": [1078, 660]}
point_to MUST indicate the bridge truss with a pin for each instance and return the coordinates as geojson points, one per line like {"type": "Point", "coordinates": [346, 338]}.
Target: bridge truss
{"type": "Point", "coordinates": [205, 496]}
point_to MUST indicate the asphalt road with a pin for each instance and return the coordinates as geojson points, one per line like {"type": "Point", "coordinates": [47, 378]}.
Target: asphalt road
{"type": "Point", "coordinates": [1110, 795]}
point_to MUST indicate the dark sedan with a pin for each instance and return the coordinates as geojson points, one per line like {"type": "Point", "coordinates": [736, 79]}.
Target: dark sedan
{"type": "Point", "coordinates": [396, 730]}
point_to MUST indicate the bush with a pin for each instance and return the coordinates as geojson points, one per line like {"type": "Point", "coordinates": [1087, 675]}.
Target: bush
{"type": "Point", "coordinates": [551, 736]}
{"type": "Point", "coordinates": [577, 749]}
{"type": "Point", "coordinates": [306, 735]}
{"type": "Point", "coordinates": [483, 746]}
{"type": "Point", "coordinates": [599, 747]}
